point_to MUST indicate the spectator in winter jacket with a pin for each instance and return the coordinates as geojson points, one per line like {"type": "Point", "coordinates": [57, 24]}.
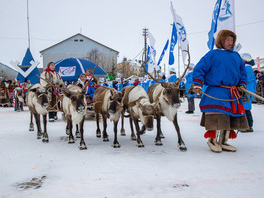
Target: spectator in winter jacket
{"type": "Point", "coordinates": [251, 86]}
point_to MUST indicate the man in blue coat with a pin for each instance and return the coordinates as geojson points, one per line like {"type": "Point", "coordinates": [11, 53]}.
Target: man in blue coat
{"type": "Point", "coordinates": [172, 77]}
{"type": "Point", "coordinates": [223, 71]}
{"type": "Point", "coordinates": [190, 96]}
{"type": "Point", "coordinates": [251, 86]}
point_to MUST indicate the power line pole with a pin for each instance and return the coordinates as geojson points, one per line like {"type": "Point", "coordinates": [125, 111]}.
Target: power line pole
{"type": "Point", "coordinates": [145, 34]}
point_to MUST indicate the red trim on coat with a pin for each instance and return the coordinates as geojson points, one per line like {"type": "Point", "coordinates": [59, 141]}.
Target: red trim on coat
{"type": "Point", "coordinates": [218, 107]}
{"type": "Point", "coordinates": [198, 80]}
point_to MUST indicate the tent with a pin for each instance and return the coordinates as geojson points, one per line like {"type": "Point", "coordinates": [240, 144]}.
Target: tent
{"type": "Point", "coordinates": [71, 68]}
{"type": "Point", "coordinates": [32, 76]}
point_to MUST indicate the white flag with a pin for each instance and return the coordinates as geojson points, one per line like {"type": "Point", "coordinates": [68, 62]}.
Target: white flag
{"type": "Point", "coordinates": [226, 18]}
{"type": "Point", "coordinates": [151, 65]}
{"type": "Point", "coordinates": [182, 36]}
{"type": "Point", "coordinates": [223, 19]}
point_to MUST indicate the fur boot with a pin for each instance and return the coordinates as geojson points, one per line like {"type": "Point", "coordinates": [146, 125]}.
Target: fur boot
{"type": "Point", "coordinates": [223, 138]}
{"type": "Point", "coordinates": [213, 144]}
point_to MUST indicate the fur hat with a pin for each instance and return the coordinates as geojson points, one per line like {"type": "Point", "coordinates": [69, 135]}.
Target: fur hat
{"type": "Point", "coordinates": [221, 37]}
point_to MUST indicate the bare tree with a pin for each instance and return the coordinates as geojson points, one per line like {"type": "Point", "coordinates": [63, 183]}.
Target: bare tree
{"type": "Point", "coordinates": [94, 56]}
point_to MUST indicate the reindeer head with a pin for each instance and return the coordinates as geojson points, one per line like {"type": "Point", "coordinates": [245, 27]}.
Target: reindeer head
{"type": "Point", "coordinates": [77, 97]}
{"type": "Point", "coordinates": [147, 115]}
{"type": "Point", "coordinates": [42, 96]}
{"type": "Point", "coordinates": [171, 94]}
{"type": "Point", "coordinates": [115, 102]}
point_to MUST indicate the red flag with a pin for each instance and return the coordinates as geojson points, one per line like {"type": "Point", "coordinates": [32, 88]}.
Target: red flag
{"type": "Point", "coordinates": [258, 63]}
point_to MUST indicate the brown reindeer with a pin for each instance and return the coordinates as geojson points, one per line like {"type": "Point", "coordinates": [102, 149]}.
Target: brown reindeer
{"type": "Point", "coordinates": [107, 102]}
{"type": "Point", "coordinates": [37, 102]}
{"type": "Point", "coordinates": [168, 97]}
{"type": "Point", "coordinates": [74, 108]}
{"type": "Point", "coordinates": [136, 102]}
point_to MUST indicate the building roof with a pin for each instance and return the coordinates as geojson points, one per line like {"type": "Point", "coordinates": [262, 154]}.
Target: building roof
{"type": "Point", "coordinates": [8, 67]}
{"type": "Point", "coordinates": [79, 34]}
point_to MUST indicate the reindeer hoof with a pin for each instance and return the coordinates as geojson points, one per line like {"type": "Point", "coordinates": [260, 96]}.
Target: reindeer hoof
{"type": "Point", "coordinates": [106, 139]}
{"type": "Point", "coordinates": [123, 133]}
{"type": "Point", "coordinates": [140, 145]}
{"type": "Point", "coordinates": [116, 145]}
{"type": "Point", "coordinates": [98, 133]}
{"type": "Point", "coordinates": [78, 135]}
{"type": "Point", "coordinates": [45, 140]}
{"type": "Point", "coordinates": [161, 135]}
{"type": "Point", "coordinates": [31, 129]}
{"type": "Point", "coordinates": [133, 138]}
{"type": "Point", "coordinates": [182, 148]}
{"type": "Point", "coordinates": [82, 147]}
{"type": "Point", "coordinates": [158, 143]}
{"type": "Point", "coordinates": [71, 141]}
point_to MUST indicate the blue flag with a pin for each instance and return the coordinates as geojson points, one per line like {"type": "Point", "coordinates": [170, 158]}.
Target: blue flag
{"type": "Point", "coordinates": [216, 12]}
{"type": "Point", "coordinates": [172, 44]}
{"type": "Point", "coordinates": [163, 52]}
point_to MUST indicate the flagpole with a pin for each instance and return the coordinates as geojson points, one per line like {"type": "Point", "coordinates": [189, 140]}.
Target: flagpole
{"type": "Point", "coordinates": [179, 59]}
{"type": "Point", "coordinates": [28, 26]}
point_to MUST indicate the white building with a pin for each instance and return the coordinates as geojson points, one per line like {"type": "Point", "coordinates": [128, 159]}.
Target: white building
{"type": "Point", "coordinates": [80, 46]}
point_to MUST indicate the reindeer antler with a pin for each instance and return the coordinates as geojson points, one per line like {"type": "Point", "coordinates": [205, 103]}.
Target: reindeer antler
{"type": "Point", "coordinates": [187, 66]}
{"type": "Point", "coordinates": [144, 67]}
{"type": "Point", "coordinates": [88, 81]}
{"type": "Point", "coordinates": [51, 84]}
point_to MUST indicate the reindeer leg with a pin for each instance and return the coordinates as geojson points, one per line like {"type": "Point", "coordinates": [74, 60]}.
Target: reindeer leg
{"type": "Point", "coordinates": [37, 118]}
{"type": "Point", "coordinates": [77, 132]}
{"type": "Point", "coordinates": [133, 136]}
{"type": "Point", "coordinates": [67, 128]}
{"type": "Point", "coordinates": [158, 137]}
{"type": "Point", "coordinates": [105, 135]}
{"type": "Point", "coordinates": [71, 138]}
{"type": "Point", "coordinates": [17, 105]}
{"type": "Point", "coordinates": [31, 124]}
{"type": "Point", "coordinates": [139, 141]}
{"type": "Point", "coordinates": [181, 144]}
{"type": "Point", "coordinates": [82, 145]}
{"type": "Point", "coordinates": [98, 131]}
{"type": "Point", "coordinates": [143, 130]}
{"type": "Point", "coordinates": [21, 106]}
{"type": "Point", "coordinates": [45, 137]}
{"type": "Point", "coordinates": [123, 132]}
{"type": "Point", "coordinates": [115, 143]}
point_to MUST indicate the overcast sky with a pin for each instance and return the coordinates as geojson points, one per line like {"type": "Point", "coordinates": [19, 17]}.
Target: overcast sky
{"type": "Point", "coordinates": [118, 24]}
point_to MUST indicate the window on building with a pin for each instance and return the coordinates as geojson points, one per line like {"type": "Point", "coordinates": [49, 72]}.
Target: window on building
{"type": "Point", "coordinates": [81, 40]}
{"type": "Point", "coordinates": [75, 40]}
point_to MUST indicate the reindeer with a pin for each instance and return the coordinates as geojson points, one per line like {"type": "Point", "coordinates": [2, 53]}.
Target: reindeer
{"type": "Point", "coordinates": [37, 102]}
{"type": "Point", "coordinates": [107, 102]}
{"type": "Point", "coordinates": [168, 97]}
{"type": "Point", "coordinates": [19, 98]}
{"type": "Point", "coordinates": [136, 102]}
{"type": "Point", "coordinates": [74, 107]}
{"type": "Point", "coordinates": [4, 94]}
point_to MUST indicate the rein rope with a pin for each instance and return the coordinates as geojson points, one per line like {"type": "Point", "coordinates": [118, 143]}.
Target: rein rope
{"type": "Point", "coordinates": [227, 100]}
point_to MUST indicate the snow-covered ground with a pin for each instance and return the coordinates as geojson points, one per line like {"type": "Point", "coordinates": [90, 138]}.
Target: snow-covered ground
{"type": "Point", "coordinates": [153, 171]}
